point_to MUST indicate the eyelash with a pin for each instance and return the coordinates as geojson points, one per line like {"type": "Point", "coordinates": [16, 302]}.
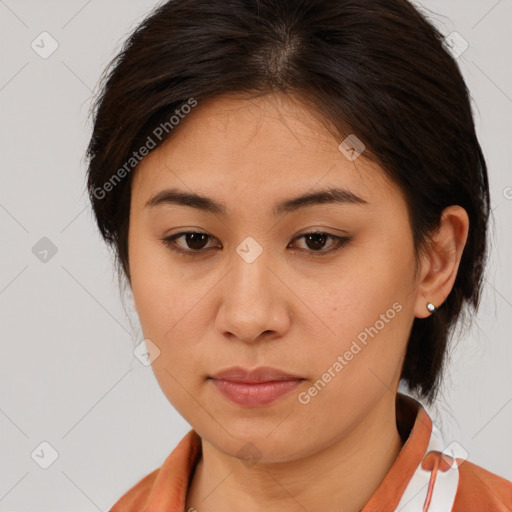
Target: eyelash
{"type": "Point", "coordinates": [340, 242]}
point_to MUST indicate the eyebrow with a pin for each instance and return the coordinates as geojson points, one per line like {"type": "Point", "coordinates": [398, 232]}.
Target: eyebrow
{"type": "Point", "coordinates": [207, 204]}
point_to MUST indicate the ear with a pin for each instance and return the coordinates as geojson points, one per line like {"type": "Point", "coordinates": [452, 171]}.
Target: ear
{"type": "Point", "coordinates": [440, 264]}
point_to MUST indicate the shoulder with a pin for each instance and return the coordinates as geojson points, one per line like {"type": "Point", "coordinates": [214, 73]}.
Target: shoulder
{"type": "Point", "coordinates": [481, 490]}
{"type": "Point", "coordinates": [136, 497]}
{"type": "Point", "coordinates": [164, 488]}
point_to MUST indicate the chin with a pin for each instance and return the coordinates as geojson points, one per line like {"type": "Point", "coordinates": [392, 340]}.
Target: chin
{"type": "Point", "coordinates": [258, 441]}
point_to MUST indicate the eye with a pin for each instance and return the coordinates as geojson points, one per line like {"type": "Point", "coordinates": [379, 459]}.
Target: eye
{"type": "Point", "coordinates": [315, 240]}
{"type": "Point", "coordinates": [195, 241]}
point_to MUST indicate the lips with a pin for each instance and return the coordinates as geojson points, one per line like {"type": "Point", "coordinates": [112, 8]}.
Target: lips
{"type": "Point", "coordinates": [254, 388]}
{"type": "Point", "coordinates": [261, 374]}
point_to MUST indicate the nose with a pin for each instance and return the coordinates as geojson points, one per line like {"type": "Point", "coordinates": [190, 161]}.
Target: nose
{"type": "Point", "coordinates": [255, 301]}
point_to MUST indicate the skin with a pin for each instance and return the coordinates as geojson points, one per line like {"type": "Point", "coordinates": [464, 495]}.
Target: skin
{"type": "Point", "coordinates": [291, 308]}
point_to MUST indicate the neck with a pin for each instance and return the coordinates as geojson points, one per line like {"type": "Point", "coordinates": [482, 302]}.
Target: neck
{"type": "Point", "coordinates": [342, 477]}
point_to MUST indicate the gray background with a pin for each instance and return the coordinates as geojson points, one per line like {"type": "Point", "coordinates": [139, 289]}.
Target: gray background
{"type": "Point", "coordinates": [68, 375]}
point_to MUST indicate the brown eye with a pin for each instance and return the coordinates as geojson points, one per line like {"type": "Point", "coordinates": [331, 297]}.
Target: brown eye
{"type": "Point", "coordinates": [315, 242]}
{"type": "Point", "coordinates": [194, 241]}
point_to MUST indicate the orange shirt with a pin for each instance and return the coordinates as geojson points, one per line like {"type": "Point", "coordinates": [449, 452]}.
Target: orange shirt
{"type": "Point", "coordinates": [421, 478]}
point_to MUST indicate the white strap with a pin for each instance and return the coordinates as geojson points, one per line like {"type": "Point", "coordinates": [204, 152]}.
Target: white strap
{"type": "Point", "coordinates": [445, 486]}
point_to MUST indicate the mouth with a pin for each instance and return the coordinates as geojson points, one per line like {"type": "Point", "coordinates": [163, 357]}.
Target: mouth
{"type": "Point", "coordinates": [254, 388]}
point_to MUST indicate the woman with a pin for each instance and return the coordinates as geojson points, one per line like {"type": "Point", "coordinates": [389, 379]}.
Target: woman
{"type": "Point", "coordinates": [296, 195]}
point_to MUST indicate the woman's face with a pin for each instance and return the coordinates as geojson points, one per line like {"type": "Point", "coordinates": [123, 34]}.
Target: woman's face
{"type": "Point", "coordinates": [256, 292]}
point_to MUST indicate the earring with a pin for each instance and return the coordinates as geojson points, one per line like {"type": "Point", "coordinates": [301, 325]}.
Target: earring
{"type": "Point", "coordinates": [431, 307]}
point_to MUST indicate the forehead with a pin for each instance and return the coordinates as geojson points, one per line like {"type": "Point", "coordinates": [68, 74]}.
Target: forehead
{"type": "Point", "coordinates": [272, 146]}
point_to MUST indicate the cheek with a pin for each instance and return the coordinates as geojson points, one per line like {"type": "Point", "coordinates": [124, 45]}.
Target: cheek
{"type": "Point", "coordinates": [167, 308]}
{"type": "Point", "coordinates": [151, 295]}
{"type": "Point", "coordinates": [169, 312]}
{"type": "Point", "coordinates": [156, 287]}
{"type": "Point", "coordinates": [369, 315]}
{"type": "Point", "coordinates": [351, 371]}
{"type": "Point", "coordinates": [371, 325]}
{"type": "Point", "coordinates": [170, 305]}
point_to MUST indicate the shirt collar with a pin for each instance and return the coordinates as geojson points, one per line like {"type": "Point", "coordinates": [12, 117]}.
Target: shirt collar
{"type": "Point", "coordinates": [169, 488]}
{"type": "Point", "coordinates": [415, 427]}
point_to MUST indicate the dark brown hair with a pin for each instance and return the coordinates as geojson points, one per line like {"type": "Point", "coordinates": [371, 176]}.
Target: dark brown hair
{"type": "Point", "coordinates": [377, 69]}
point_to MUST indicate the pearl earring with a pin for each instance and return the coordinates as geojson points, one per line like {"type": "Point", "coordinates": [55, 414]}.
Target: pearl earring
{"type": "Point", "coordinates": [431, 307]}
